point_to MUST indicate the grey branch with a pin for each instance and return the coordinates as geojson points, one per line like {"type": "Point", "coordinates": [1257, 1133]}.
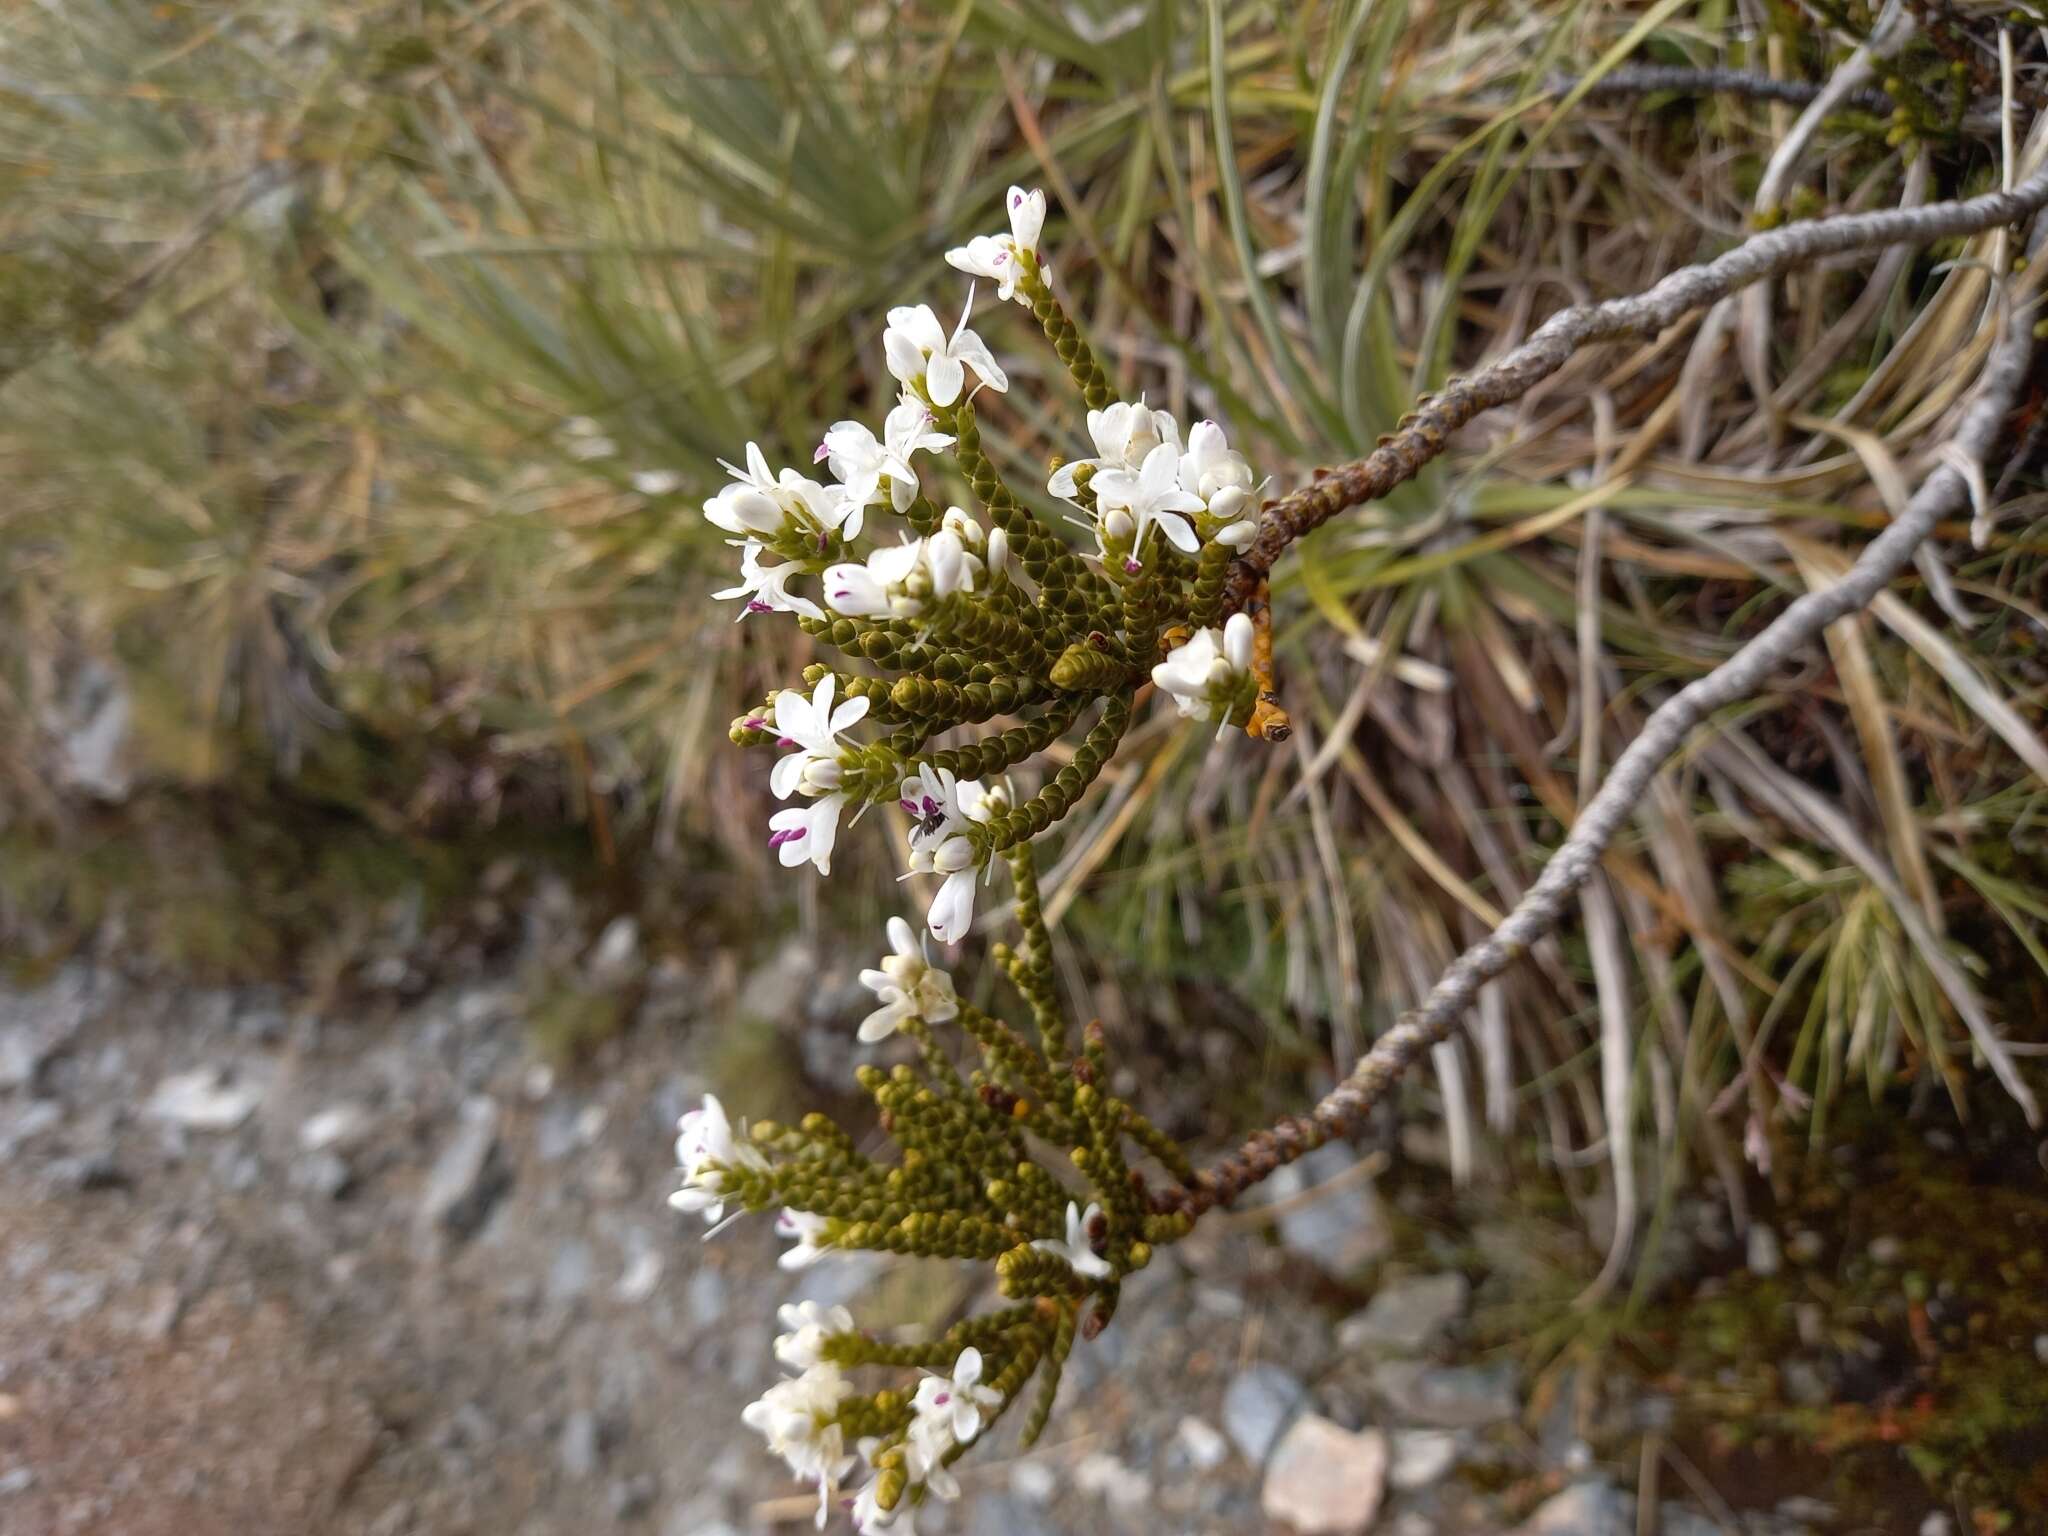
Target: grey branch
{"type": "Point", "coordinates": [1944, 493]}
{"type": "Point", "coordinates": [1426, 434]}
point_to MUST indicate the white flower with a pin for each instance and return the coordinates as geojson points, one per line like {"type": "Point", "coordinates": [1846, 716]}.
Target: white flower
{"type": "Point", "coordinates": [1003, 257]}
{"type": "Point", "coordinates": [794, 1417]}
{"type": "Point", "coordinates": [1152, 495]}
{"type": "Point", "coordinates": [762, 504]}
{"type": "Point", "coordinates": [1211, 465]}
{"type": "Point", "coordinates": [1206, 674]}
{"type": "Point", "coordinates": [943, 806]}
{"type": "Point", "coordinates": [908, 987]}
{"type": "Point", "coordinates": [812, 727]}
{"type": "Point", "coordinates": [1081, 1257]}
{"type": "Point", "coordinates": [705, 1149]}
{"type": "Point", "coordinates": [899, 580]}
{"type": "Point", "coordinates": [807, 832]}
{"type": "Point", "coordinates": [868, 1514]}
{"type": "Point", "coordinates": [954, 1404]}
{"type": "Point", "coordinates": [862, 463]}
{"type": "Point", "coordinates": [656, 482]}
{"type": "Point", "coordinates": [766, 587]}
{"type": "Point", "coordinates": [810, 1324]}
{"type": "Point", "coordinates": [1123, 434]}
{"type": "Point", "coordinates": [918, 347]}
{"type": "Point", "coordinates": [806, 1228]}
{"type": "Point", "coordinates": [959, 522]}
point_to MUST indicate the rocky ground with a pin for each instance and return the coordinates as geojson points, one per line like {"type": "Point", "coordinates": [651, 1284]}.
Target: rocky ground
{"type": "Point", "coordinates": [271, 1267]}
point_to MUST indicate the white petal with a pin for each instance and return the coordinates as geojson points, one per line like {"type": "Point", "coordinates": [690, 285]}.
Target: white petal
{"type": "Point", "coordinates": [942, 378]}
{"type": "Point", "coordinates": [952, 910]}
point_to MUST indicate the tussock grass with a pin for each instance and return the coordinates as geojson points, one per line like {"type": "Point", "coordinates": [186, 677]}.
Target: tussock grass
{"type": "Point", "coordinates": [301, 301]}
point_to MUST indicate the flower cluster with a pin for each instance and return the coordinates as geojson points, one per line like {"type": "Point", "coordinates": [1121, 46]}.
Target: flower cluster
{"type": "Point", "coordinates": [971, 1180]}
{"type": "Point", "coordinates": [954, 606]}
{"type": "Point", "coordinates": [972, 609]}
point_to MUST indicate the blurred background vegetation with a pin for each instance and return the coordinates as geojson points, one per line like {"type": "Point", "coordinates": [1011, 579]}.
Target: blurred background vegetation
{"type": "Point", "coordinates": [363, 364]}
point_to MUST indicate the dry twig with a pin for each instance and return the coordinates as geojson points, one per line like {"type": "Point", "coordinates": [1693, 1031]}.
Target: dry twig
{"type": "Point", "coordinates": [1944, 492]}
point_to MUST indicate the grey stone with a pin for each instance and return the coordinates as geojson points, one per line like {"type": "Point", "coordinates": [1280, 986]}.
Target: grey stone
{"type": "Point", "coordinates": [1447, 1397]}
{"type": "Point", "coordinates": [1406, 1318]}
{"type": "Point", "coordinates": [1765, 1259]}
{"type": "Point", "coordinates": [1034, 1481]}
{"type": "Point", "coordinates": [323, 1174]}
{"type": "Point", "coordinates": [2041, 1347]}
{"type": "Point", "coordinates": [34, 1025]}
{"type": "Point", "coordinates": [577, 1448]}
{"type": "Point", "coordinates": [1125, 1489]}
{"type": "Point", "coordinates": [467, 1178]}
{"type": "Point", "coordinates": [1257, 1406]}
{"type": "Point", "coordinates": [1004, 1514]}
{"type": "Point", "coordinates": [92, 723]}
{"type": "Point", "coordinates": [25, 1122]}
{"type": "Point", "coordinates": [631, 1497]}
{"type": "Point", "coordinates": [18, 1480]}
{"type": "Point", "coordinates": [1584, 1509]}
{"type": "Point", "coordinates": [1205, 1447]}
{"type": "Point", "coordinates": [570, 1272]}
{"type": "Point", "coordinates": [1679, 1520]}
{"type": "Point", "coordinates": [1421, 1456]}
{"type": "Point", "coordinates": [615, 957]}
{"type": "Point", "coordinates": [1887, 1249]}
{"type": "Point", "coordinates": [705, 1297]}
{"type": "Point", "coordinates": [335, 1128]}
{"type": "Point", "coordinates": [1341, 1228]}
{"type": "Point", "coordinates": [1807, 1246]}
{"type": "Point", "coordinates": [1325, 1480]}
{"type": "Point", "coordinates": [204, 1099]}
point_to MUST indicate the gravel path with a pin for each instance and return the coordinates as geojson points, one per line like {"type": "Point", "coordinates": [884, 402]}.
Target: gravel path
{"type": "Point", "coordinates": [268, 1271]}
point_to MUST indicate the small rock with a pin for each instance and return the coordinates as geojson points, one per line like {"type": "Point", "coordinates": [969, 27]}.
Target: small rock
{"type": "Point", "coordinates": [1887, 1250]}
{"type": "Point", "coordinates": [706, 1298]}
{"type": "Point", "coordinates": [577, 1448]}
{"type": "Point", "coordinates": [1405, 1318]}
{"type": "Point", "coordinates": [1804, 1383]}
{"type": "Point", "coordinates": [204, 1099]}
{"type": "Point", "coordinates": [1257, 1406]}
{"type": "Point", "coordinates": [1324, 1480]}
{"type": "Point", "coordinates": [35, 1025]}
{"type": "Point", "coordinates": [2041, 1347]}
{"type": "Point", "coordinates": [1341, 1227]}
{"type": "Point", "coordinates": [643, 1274]}
{"type": "Point", "coordinates": [1806, 1246]}
{"type": "Point", "coordinates": [86, 1172]}
{"type": "Point", "coordinates": [26, 1122]}
{"type": "Point", "coordinates": [18, 1480]}
{"type": "Point", "coordinates": [468, 1177]}
{"type": "Point", "coordinates": [323, 1174]}
{"type": "Point", "coordinates": [631, 1497]}
{"type": "Point", "coordinates": [1124, 1489]}
{"type": "Point", "coordinates": [1584, 1509]}
{"type": "Point", "coordinates": [570, 1273]}
{"type": "Point", "coordinates": [1678, 1520]}
{"type": "Point", "coordinates": [1034, 1481]}
{"type": "Point", "coordinates": [1447, 1397]}
{"type": "Point", "coordinates": [1205, 1447]}
{"type": "Point", "coordinates": [1001, 1514]}
{"type": "Point", "coordinates": [335, 1129]}
{"type": "Point", "coordinates": [1421, 1456]}
{"type": "Point", "coordinates": [1765, 1257]}
{"type": "Point", "coordinates": [615, 957]}
{"type": "Point", "coordinates": [1412, 1522]}
{"type": "Point", "coordinates": [1937, 1524]}
{"type": "Point", "coordinates": [1804, 1507]}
